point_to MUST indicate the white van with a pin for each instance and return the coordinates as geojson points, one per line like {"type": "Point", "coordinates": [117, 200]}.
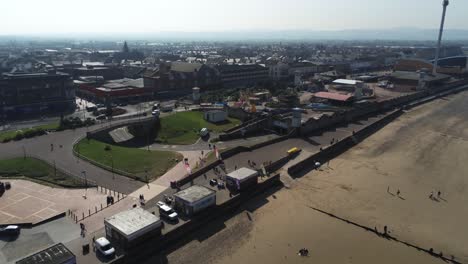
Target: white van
{"type": "Point", "coordinates": [204, 131]}
{"type": "Point", "coordinates": [104, 247]}
{"type": "Point", "coordinates": [168, 212]}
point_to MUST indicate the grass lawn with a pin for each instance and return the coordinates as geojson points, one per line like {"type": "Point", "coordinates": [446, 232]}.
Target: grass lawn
{"type": "Point", "coordinates": [131, 160]}
{"type": "Point", "coordinates": [38, 171]}
{"type": "Point", "coordinates": [11, 134]}
{"type": "Point", "coordinates": [183, 128]}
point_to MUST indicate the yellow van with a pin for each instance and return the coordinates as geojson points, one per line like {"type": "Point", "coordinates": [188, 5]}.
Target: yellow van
{"type": "Point", "coordinates": [293, 151]}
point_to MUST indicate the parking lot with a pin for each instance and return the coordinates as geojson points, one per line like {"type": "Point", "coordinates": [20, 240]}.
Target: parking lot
{"type": "Point", "coordinates": [32, 240]}
{"type": "Point", "coordinates": [29, 202]}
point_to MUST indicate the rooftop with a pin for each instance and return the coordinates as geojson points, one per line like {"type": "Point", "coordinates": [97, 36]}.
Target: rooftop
{"type": "Point", "coordinates": [185, 66]}
{"type": "Point", "coordinates": [334, 96]}
{"type": "Point", "coordinates": [346, 82]}
{"type": "Point", "coordinates": [194, 193]}
{"type": "Point", "coordinates": [429, 77]}
{"type": "Point", "coordinates": [55, 254]}
{"type": "Point", "coordinates": [243, 173]}
{"type": "Point", "coordinates": [131, 221]}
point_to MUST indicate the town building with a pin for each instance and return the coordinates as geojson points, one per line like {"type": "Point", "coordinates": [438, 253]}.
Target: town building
{"type": "Point", "coordinates": [417, 80]}
{"type": "Point", "coordinates": [241, 179]}
{"type": "Point", "coordinates": [108, 72]}
{"type": "Point", "coordinates": [279, 71]}
{"type": "Point", "coordinates": [215, 116]}
{"type": "Point", "coordinates": [129, 228]}
{"type": "Point", "coordinates": [242, 75]}
{"type": "Point", "coordinates": [334, 98]}
{"type": "Point", "coordinates": [455, 66]}
{"type": "Point", "coordinates": [178, 78]}
{"type": "Point", "coordinates": [122, 90]}
{"type": "Point", "coordinates": [194, 199]}
{"type": "Point", "coordinates": [35, 94]}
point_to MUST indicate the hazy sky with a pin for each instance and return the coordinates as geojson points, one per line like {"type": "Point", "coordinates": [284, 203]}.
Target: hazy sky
{"type": "Point", "coordinates": [90, 16]}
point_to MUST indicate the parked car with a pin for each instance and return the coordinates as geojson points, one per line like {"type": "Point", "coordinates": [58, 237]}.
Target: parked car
{"type": "Point", "coordinates": [213, 182]}
{"type": "Point", "coordinates": [294, 151]}
{"type": "Point", "coordinates": [104, 247]}
{"type": "Point", "coordinates": [160, 203]}
{"type": "Point", "coordinates": [155, 112]}
{"type": "Point", "coordinates": [168, 213]}
{"type": "Point", "coordinates": [221, 185]}
{"type": "Point", "coordinates": [204, 131]}
{"type": "Point", "coordinates": [10, 230]}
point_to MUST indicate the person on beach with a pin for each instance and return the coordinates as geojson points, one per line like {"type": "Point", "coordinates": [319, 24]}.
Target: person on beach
{"type": "Point", "coordinates": [398, 192]}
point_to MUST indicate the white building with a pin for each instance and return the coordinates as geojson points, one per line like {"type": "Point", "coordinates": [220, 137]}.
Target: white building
{"type": "Point", "coordinates": [194, 199]}
{"type": "Point", "coordinates": [215, 116]}
{"type": "Point", "coordinates": [130, 227]}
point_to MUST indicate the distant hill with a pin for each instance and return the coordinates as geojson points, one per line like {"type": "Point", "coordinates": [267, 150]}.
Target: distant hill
{"type": "Point", "coordinates": [398, 34]}
{"type": "Point", "coordinates": [383, 34]}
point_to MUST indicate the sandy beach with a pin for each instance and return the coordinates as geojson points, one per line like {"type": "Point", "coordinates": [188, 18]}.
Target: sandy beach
{"type": "Point", "coordinates": [423, 151]}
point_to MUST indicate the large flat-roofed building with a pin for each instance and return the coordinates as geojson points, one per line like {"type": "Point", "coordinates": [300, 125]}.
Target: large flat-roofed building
{"type": "Point", "coordinates": [180, 77]}
{"type": "Point", "coordinates": [334, 98]}
{"type": "Point", "coordinates": [194, 199]}
{"type": "Point", "coordinates": [35, 94]}
{"type": "Point", "coordinates": [56, 254]}
{"type": "Point", "coordinates": [129, 228]}
{"type": "Point", "coordinates": [414, 79]}
{"type": "Point", "coordinates": [116, 90]}
{"type": "Point", "coordinates": [242, 75]}
{"type": "Point", "coordinates": [241, 179]}
{"type": "Point", "coordinates": [109, 72]}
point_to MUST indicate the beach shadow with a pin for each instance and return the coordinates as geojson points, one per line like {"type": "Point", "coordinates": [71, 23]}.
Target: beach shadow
{"type": "Point", "coordinates": [443, 199]}
{"type": "Point", "coordinates": [213, 228]}
{"type": "Point", "coordinates": [402, 198]}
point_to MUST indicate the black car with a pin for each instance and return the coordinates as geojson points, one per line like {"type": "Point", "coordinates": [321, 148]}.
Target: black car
{"type": "Point", "coordinates": [213, 182]}
{"type": "Point", "coordinates": [11, 230]}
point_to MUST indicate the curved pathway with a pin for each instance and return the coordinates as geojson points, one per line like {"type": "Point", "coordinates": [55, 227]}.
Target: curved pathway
{"type": "Point", "coordinates": [40, 147]}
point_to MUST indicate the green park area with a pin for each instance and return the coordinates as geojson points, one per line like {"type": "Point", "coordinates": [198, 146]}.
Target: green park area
{"type": "Point", "coordinates": [132, 161]}
{"type": "Point", "coordinates": [37, 171]}
{"type": "Point", "coordinates": [6, 136]}
{"type": "Point", "coordinates": [183, 128]}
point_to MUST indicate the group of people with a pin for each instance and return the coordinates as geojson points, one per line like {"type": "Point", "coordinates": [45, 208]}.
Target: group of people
{"type": "Point", "coordinates": [83, 230]}
{"type": "Point", "coordinates": [142, 199]}
{"type": "Point", "coordinates": [251, 163]}
{"type": "Point", "coordinates": [303, 252]}
{"type": "Point", "coordinates": [433, 197]}
{"type": "Point", "coordinates": [385, 231]}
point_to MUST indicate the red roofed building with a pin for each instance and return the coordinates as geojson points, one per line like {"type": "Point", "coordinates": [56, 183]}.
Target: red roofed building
{"type": "Point", "coordinates": [334, 97]}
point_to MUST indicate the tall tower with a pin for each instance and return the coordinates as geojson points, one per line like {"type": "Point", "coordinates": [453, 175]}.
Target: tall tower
{"type": "Point", "coordinates": [125, 48]}
{"type": "Point", "coordinates": [445, 3]}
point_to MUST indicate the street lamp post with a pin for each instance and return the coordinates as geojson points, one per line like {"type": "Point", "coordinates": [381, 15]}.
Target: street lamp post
{"type": "Point", "coordinates": [112, 162]}
{"type": "Point", "coordinates": [445, 3]}
{"type": "Point", "coordinates": [86, 183]}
